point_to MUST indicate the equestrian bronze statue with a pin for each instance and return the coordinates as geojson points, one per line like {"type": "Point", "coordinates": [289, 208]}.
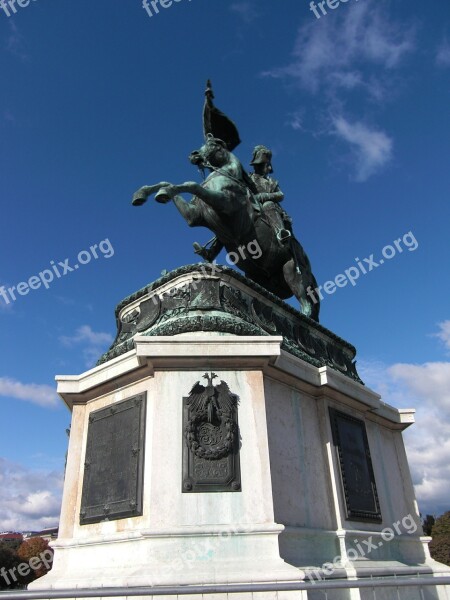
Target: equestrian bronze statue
{"type": "Point", "coordinates": [241, 208]}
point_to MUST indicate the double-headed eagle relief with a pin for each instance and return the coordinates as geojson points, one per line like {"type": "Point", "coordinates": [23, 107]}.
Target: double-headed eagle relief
{"type": "Point", "coordinates": [240, 209]}
{"type": "Point", "coordinates": [211, 449]}
{"type": "Point", "coordinates": [210, 432]}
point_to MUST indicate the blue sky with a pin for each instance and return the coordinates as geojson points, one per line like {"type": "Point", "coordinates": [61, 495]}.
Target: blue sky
{"type": "Point", "coordinates": [98, 99]}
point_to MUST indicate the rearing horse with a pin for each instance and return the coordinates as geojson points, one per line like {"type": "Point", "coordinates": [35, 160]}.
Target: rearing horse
{"type": "Point", "coordinates": [225, 204]}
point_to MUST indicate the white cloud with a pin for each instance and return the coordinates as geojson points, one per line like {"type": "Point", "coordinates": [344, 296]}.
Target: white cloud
{"type": "Point", "coordinates": [356, 51]}
{"type": "Point", "coordinates": [86, 334]}
{"type": "Point", "coordinates": [40, 505]}
{"type": "Point", "coordinates": [444, 334]}
{"type": "Point", "coordinates": [95, 343]}
{"type": "Point", "coordinates": [29, 499]}
{"type": "Point", "coordinates": [372, 149]}
{"type": "Point", "coordinates": [15, 42]}
{"type": "Point", "coordinates": [425, 387]}
{"type": "Point", "coordinates": [246, 10]}
{"type": "Point", "coordinates": [43, 395]}
{"type": "Point", "coordinates": [429, 382]}
{"type": "Point", "coordinates": [5, 308]}
{"type": "Point", "coordinates": [443, 54]}
{"type": "Point", "coordinates": [347, 49]}
{"type": "Point", "coordinates": [296, 120]}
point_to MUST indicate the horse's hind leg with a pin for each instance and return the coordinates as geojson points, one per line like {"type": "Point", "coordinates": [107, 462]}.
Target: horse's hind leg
{"type": "Point", "coordinates": [295, 280]}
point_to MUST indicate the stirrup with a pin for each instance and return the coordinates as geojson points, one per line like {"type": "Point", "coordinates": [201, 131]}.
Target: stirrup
{"type": "Point", "coordinates": [283, 235]}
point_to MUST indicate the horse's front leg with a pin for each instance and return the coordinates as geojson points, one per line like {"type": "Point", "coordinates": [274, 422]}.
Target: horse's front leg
{"type": "Point", "coordinates": [190, 211]}
{"type": "Point", "coordinates": [141, 196]}
{"type": "Point", "coordinates": [216, 200]}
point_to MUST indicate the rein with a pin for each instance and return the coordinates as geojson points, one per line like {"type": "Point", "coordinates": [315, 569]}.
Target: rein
{"type": "Point", "coordinates": [220, 172]}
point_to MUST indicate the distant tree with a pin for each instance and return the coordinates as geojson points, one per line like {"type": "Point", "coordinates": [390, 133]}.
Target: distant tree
{"type": "Point", "coordinates": [8, 561]}
{"type": "Point", "coordinates": [14, 545]}
{"type": "Point", "coordinates": [427, 524]}
{"type": "Point", "coordinates": [34, 548]}
{"type": "Point", "coordinates": [440, 545]}
{"type": "Point", "coordinates": [442, 524]}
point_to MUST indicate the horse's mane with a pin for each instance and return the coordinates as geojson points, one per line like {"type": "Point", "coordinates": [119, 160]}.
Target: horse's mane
{"type": "Point", "coordinates": [246, 179]}
{"type": "Point", "coordinates": [239, 172]}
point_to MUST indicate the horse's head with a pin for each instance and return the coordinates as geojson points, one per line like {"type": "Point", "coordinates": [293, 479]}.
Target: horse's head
{"type": "Point", "coordinates": [213, 153]}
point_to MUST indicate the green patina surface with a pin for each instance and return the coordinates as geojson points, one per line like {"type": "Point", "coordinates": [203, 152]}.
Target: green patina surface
{"type": "Point", "coordinates": [213, 298]}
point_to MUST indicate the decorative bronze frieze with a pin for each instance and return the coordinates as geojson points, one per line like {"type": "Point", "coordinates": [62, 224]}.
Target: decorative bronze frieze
{"type": "Point", "coordinates": [219, 299]}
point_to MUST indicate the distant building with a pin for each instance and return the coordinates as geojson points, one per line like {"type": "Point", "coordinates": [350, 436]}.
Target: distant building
{"type": "Point", "coordinates": [11, 537]}
{"type": "Point", "coordinates": [49, 534]}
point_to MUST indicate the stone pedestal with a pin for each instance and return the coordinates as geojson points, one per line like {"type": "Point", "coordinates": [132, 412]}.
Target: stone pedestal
{"type": "Point", "coordinates": [303, 500]}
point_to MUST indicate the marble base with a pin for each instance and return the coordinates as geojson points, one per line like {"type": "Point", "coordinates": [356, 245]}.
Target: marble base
{"type": "Point", "coordinates": [288, 522]}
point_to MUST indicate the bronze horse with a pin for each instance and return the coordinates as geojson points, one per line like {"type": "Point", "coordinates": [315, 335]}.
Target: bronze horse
{"type": "Point", "coordinates": [224, 203]}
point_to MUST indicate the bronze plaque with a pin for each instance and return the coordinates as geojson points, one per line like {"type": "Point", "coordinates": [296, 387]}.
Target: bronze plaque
{"type": "Point", "coordinates": [114, 463]}
{"type": "Point", "coordinates": [355, 464]}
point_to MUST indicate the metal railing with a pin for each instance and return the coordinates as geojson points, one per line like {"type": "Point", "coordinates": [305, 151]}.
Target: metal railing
{"type": "Point", "coordinates": [112, 592]}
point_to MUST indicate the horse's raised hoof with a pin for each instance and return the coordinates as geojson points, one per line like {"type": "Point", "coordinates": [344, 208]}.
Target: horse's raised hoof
{"type": "Point", "coordinates": [138, 199]}
{"type": "Point", "coordinates": [162, 197]}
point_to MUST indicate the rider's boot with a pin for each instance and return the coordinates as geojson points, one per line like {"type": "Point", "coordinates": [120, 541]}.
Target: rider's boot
{"type": "Point", "coordinates": [211, 253]}
{"type": "Point", "coordinates": [202, 251]}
